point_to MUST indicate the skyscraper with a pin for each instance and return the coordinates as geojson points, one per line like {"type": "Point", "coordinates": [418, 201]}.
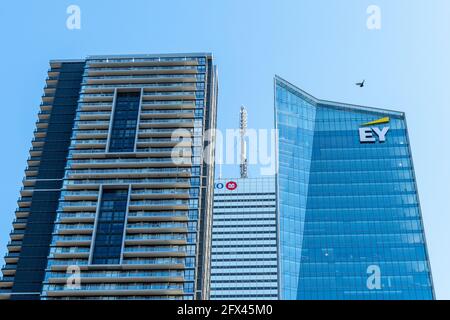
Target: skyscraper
{"type": "Point", "coordinates": [117, 198]}
{"type": "Point", "coordinates": [349, 217]}
{"type": "Point", "coordinates": [244, 240]}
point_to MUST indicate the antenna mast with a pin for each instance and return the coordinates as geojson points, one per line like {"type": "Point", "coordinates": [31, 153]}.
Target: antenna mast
{"type": "Point", "coordinates": [243, 132]}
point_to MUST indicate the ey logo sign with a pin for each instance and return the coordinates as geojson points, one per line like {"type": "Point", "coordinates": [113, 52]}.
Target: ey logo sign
{"type": "Point", "coordinates": [370, 132]}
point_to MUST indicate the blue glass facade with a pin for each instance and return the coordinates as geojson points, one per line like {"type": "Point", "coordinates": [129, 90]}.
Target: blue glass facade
{"type": "Point", "coordinates": [349, 217]}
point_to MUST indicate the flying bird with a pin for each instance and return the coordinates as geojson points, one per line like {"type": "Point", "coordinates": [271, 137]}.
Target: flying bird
{"type": "Point", "coordinates": [361, 84]}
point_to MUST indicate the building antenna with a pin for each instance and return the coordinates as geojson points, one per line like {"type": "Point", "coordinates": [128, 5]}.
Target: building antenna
{"type": "Point", "coordinates": [220, 171]}
{"type": "Point", "coordinates": [243, 132]}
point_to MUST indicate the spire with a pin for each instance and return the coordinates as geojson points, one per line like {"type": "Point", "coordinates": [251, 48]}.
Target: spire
{"type": "Point", "coordinates": [243, 131]}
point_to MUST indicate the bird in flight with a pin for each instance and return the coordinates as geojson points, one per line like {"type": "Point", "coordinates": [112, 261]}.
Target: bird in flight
{"type": "Point", "coordinates": [361, 84]}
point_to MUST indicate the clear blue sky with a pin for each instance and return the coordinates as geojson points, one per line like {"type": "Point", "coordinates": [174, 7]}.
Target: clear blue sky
{"type": "Point", "coordinates": [322, 46]}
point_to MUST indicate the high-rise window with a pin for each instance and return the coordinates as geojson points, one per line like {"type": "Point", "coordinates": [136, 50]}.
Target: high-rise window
{"type": "Point", "coordinates": [110, 225]}
{"type": "Point", "coordinates": [123, 131]}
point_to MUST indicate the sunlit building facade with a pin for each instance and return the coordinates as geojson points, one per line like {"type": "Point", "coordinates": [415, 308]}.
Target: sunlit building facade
{"type": "Point", "coordinates": [349, 217]}
{"type": "Point", "coordinates": [114, 205]}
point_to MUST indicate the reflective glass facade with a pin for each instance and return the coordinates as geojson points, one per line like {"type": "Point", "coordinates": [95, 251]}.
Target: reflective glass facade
{"type": "Point", "coordinates": [349, 217]}
{"type": "Point", "coordinates": [244, 242]}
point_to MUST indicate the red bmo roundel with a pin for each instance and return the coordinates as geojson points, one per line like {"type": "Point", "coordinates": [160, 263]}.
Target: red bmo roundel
{"type": "Point", "coordinates": [231, 185]}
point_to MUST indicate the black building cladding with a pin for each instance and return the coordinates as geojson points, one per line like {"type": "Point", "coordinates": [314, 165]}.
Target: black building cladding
{"type": "Point", "coordinates": [32, 262]}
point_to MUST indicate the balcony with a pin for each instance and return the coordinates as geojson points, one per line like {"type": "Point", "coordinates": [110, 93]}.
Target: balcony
{"type": "Point", "coordinates": [160, 194]}
{"type": "Point", "coordinates": [157, 227]}
{"type": "Point", "coordinates": [161, 132]}
{"type": "Point", "coordinates": [171, 123]}
{"type": "Point", "coordinates": [94, 106]}
{"type": "Point", "coordinates": [148, 87]}
{"type": "Point", "coordinates": [22, 212]}
{"type": "Point", "coordinates": [88, 143]}
{"type": "Point", "coordinates": [12, 257]}
{"type": "Point", "coordinates": [111, 292]}
{"type": "Point", "coordinates": [127, 173]}
{"type": "Point", "coordinates": [36, 151]}
{"type": "Point", "coordinates": [142, 69]}
{"type": "Point", "coordinates": [40, 132]}
{"type": "Point", "coordinates": [94, 124]}
{"type": "Point", "coordinates": [80, 195]}
{"type": "Point", "coordinates": [189, 95]}
{"type": "Point", "coordinates": [159, 205]}
{"type": "Point", "coordinates": [126, 163]}
{"type": "Point", "coordinates": [120, 277]}
{"type": "Point", "coordinates": [44, 114]}
{"type": "Point", "coordinates": [89, 97]}
{"type": "Point", "coordinates": [38, 142]}
{"type": "Point", "coordinates": [71, 241]}
{"type": "Point", "coordinates": [9, 269]}
{"type": "Point", "coordinates": [71, 229]}
{"type": "Point", "coordinates": [24, 202]}
{"type": "Point", "coordinates": [17, 235]}
{"type": "Point", "coordinates": [90, 134]}
{"type": "Point", "coordinates": [14, 245]}
{"type": "Point", "coordinates": [150, 183]}
{"type": "Point", "coordinates": [143, 216]}
{"type": "Point", "coordinates": [93, 115]}
{"type": "Point", "coordinates": [157, 143]}
{"type": "Point", "coordinates": [78, 206]}
{"type": "Point", "coordinates": [70, 253]}
{"type": "Point", "coordinates": [20, 223]}
{"type": "Point", "coordinates": [156, 239]}
{"type": "Point", "coordinates": [80, 217]}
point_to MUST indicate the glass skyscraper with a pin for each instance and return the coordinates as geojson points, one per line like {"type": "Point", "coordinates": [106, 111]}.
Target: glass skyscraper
{"type": "Point", "coordinates": [117, 197]}
{"type": "Point", "coordinates": [349, 218]}
{"type": "Point", "coordinates": [244, 241]}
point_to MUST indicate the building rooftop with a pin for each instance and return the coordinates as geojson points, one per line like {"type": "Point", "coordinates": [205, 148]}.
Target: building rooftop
{"type": "Point", "coordinates": [337, 105]}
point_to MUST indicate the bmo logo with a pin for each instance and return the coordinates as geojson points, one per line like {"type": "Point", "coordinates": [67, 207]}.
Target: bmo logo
{"type": "Point", "coordinates": [370, 133]}
{"type": "Point", "coordinates": [230, 185]}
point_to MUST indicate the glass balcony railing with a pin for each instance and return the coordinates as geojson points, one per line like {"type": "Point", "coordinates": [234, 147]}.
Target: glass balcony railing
{"type": "Point", "coordinates": [115, 161]}
{"type": "Point", "coordinates": [154, 261]}
{"type": "Point", "coordinates": [147, 68]}
{"type": "Point", "coordinates": [174, 248]}
{"type": "Point", "coordinates": [159, 191]}
{"type": "Point", "coordinates": [73, 227]}
{"type": "Point", "coordinates": [129, 171]}
{"type": "Point", "coordinates": [75, 250]}
{"type": "Point", "coordinates": [165, 131]}
{"type": "Point", "coordinates": [159, 203]}
{"type": "Point", "coordinates": [68, 238]}
{"type": "Point", "coordinates": [148, 85]}
{"type": "Point", "coordinates": [111, 286]}
{"type": "Point", "coordinates": [120, 274]}
{"type": "Point", "coordinates": [163, 121]}
{"type": "Point", "coordinates": [166, 236]}
{"type": "Point", "coordinates": [143, 59]}
{"type": "Point", "coordinates": [157, 225]}
{"type": "Point", "coordinates": [160, 214]}
{"type": "Point", "coordinates": [140, 181]}
{"type": "Point", "coordinates": [62, 216]}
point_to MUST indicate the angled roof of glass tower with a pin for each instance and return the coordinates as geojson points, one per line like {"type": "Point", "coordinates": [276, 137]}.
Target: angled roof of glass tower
{"type": "Point", "coordinates": [349, 219]}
